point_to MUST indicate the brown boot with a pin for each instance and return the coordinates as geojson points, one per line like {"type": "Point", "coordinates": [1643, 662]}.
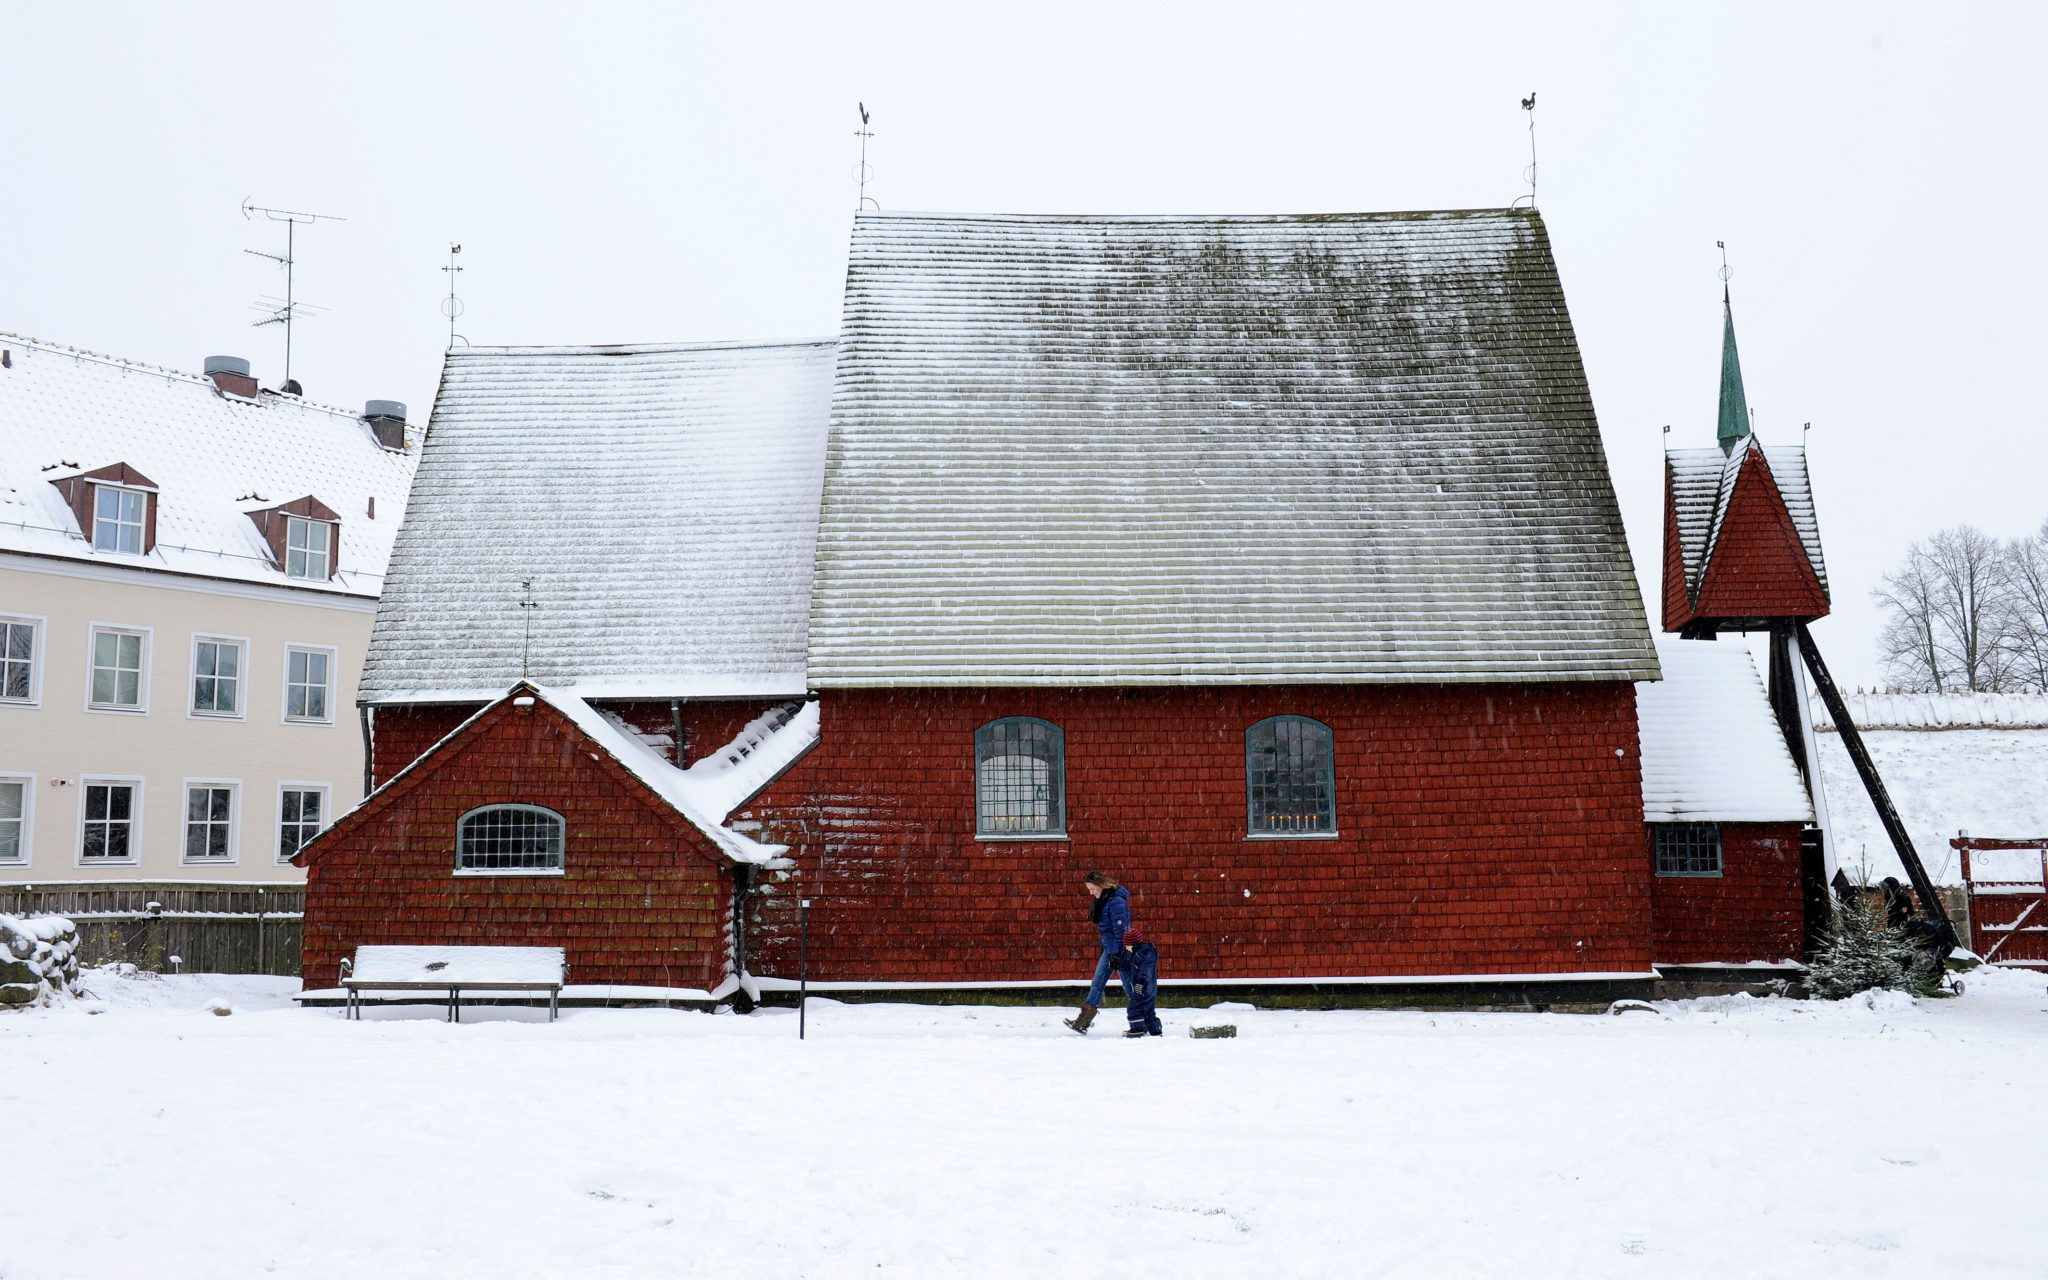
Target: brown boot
{"type": "Point", "coordinates": [1080, 1021]}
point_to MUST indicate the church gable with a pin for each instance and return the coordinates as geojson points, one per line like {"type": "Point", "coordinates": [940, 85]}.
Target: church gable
{"type": "Point", "coordinates": [1757, 566]}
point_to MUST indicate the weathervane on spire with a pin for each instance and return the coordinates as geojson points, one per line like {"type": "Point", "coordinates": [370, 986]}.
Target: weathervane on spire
{"type": "Point", "coordinates": [863, 171]}
{"type": "Point", "coordinates": [451, 306]}
{"type": "Point", "coordinates": [527, 604]}
{"type": "Point", "coordinates": [1727, 272]}
{"type": "Point", "coordinates": [1529, 174]}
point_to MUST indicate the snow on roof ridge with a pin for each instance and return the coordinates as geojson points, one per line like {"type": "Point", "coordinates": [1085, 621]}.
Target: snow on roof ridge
{"type": "Point", "coordinates": [759, 754]}
{"type": "Point", "coordinates": [1352, 215]}
{"type": "Point", "coordinates": [640, 348]}
{"type": "Point", "coordinates": [1938, 711]}
{"type": "Point", "coordinates": [122, 362]}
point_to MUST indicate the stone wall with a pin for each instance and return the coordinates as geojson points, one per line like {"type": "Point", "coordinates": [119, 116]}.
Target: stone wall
{"type": "Point", "coordinates": [37, 963]}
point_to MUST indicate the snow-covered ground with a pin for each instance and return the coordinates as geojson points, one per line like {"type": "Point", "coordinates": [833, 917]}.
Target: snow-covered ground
{"type": "Point", "coordinates": [1734, 1137]}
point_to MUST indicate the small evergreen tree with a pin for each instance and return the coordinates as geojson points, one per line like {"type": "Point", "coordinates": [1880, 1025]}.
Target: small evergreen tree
{"type": "Point", "coordinates": [1863, 952]}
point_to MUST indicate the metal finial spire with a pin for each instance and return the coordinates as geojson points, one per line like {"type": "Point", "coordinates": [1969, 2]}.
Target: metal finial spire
{"type": "Point", "coordinates": [286, 311]}
{"type": "Point", "coordinates": [527, 604]}
{"type": "Point", "coordinates": [1735, 421]}
{"type": "Point", "coordinates": [862, 171]}
{"type": "Point", "coordinates": [452, 305]}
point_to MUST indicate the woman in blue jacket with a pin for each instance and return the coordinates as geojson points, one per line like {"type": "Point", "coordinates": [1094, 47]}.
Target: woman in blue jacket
{"type": "Point", "coordinates": [1112, 915]}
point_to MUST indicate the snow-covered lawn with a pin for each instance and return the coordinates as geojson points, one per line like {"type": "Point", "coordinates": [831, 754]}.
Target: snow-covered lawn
{"type": "Point", "coordinates": [1714, 1138]}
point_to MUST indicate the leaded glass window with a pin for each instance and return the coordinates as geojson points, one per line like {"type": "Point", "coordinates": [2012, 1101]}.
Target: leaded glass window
{"type": "Point", "coordinates": [1688, 848]}
{"type": "Point", "coordinates": [1020, 778]}
{"type": "Point", "coordinates": [1290, 777]}
{"type": "Point", "coordinates": [509, 837]}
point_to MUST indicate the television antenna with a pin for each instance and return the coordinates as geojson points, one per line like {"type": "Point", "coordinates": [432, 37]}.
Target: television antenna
{"type": "Point", "coordinates": [451, 306]}
{"type": "Point", "coordinates": [864, 171]}
{"type": "Point", "coordinates": [1529, 174]}
{"type": "Point", "coordinates": [286, 310]}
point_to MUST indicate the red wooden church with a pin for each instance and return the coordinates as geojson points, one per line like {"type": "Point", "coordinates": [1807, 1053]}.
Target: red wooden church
{"type": "Point", "coordinates": [1270, 564]}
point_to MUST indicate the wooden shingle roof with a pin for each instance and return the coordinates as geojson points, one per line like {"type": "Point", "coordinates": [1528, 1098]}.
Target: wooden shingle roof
{"type": "Point", "coordinates": [1152, 450]}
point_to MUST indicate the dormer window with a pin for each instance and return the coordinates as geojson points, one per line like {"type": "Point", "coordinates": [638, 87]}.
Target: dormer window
{"type": "Point", "coordinates": [117, 519]}
{"type": "Point", "coordinates": [115, 508]}
{"type": "Point", "coordinates": [304, 537]}
{"type": "Point", "coordinates": [306, 550]}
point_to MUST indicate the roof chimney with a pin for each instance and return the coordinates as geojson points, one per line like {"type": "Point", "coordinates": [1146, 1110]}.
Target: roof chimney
{"type": "Point", "coordinates": [386, 420]}
{"type": "Point", "coordinates": [230, 374]}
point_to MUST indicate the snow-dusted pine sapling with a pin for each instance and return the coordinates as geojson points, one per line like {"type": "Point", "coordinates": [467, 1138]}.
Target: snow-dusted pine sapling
{"type": "Point", "coordinates": [1863, 952]}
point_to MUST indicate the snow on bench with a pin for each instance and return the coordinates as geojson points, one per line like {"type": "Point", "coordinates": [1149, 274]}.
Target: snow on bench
{"type": "Point", "coordinates": [454, 970]}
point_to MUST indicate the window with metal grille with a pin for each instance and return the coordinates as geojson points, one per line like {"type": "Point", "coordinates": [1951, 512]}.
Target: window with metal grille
{"type": "Point", "coordinates": [1688, 849]}
{"type": "Point", "coordinates": [216, 677]}
{"type": "Point", "coordinates": [509, 837]}
{"type": "Point", "coordinates": [299, 810]}
{"type": "Point", "coordinates": [1290, 777]}
{"type": "Point", "coordinates": [117, 519]}
{"type": "Point", "coordinates": [209, 823]}
{"type": "Point", "coordinates": [305, 551]}
{"type": "Point", "coordinates": [109, 822]}
{"type": "Point", "coordinates": [1020, 778]}
{"type": "Point", "coordinates": [17, 660]}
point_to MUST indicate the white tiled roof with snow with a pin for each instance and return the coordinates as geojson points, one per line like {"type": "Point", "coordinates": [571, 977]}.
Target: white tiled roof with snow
{"type": "Point", "coordinates": [63, 412]}
{"type": "Point", "coordinates": [662, 499]}
{"type": "Point", "coordinates": [1703, 480]}
{"type": "Point", "coordinates": [1153, 450]}
{"type": "Point", "coordinates": [1712, 750]}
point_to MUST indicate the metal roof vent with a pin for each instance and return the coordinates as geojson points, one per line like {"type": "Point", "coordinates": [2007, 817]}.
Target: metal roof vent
{"type": "Point", "coordinates": [231, 375]}
{"type": "Point", "coordinates": [386, 420]}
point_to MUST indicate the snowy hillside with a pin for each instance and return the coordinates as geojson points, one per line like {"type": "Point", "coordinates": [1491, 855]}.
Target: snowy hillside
{"type": "Point", "coordinates": [1952, 762]}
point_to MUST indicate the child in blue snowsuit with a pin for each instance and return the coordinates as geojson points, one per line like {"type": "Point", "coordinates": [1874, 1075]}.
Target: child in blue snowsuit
{"type": "Point", "coordinates": [1141, 981]}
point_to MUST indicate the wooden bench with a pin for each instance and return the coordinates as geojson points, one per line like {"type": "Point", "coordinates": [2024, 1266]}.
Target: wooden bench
{"type": "Point", "coordinates": [454, 970]}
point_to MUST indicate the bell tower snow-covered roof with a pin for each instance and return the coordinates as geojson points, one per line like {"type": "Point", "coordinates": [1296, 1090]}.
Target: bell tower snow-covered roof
{"type": "Point", "coordinates": [1219, 450]}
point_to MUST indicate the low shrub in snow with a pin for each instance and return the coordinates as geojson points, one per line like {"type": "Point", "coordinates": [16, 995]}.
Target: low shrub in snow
{"type": "Point", "coordinates": [1864, 953]}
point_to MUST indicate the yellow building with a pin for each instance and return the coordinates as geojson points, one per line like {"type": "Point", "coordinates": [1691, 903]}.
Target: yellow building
{"type": "Point", "coordinates": [189, 567]}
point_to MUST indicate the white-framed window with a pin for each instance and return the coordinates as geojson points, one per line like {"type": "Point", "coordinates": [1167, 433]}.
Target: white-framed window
{"type": "Point", "coordinates": [309, 684]}
{"type": "Point", "coordinates": [212, 807]}
{"type": "Point", "coordinates": [110, 820]}
{"type": "Point", "coordinates": [219, 676]}
{"type": "Point", "coordinates": [21, 670]}
{"type": "Point", "coordinates": [117, 516]}
{"type": "Point", "coordinates": [118, 679]}
{"type": "Point", "coordinates": [17, 817]}
{"type": "Point", "coordinates": [1688, 849]}
{"type": "Point", "coordinates": [302, 813]}
{"type": "Point", "coordinates": [509, 840]}
{"type": "Point", "coordinates": [306, 548]}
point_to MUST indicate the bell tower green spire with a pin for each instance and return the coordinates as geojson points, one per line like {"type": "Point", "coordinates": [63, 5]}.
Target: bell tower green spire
{"type": "Point", "coordinates": [1734, 404]}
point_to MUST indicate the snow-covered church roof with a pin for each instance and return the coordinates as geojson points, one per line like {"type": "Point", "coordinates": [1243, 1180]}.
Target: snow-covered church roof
{"type": "Point", "coordinates": [1157, 450]}
{"type": "Point", "coordinates": [212, 458]}
{"type": "Point", "coordinates": [1712, 749]}
{"type": "Point", "coordinates": [662, 501]}
{"type": "Point", "coordinates": [1703, 481]}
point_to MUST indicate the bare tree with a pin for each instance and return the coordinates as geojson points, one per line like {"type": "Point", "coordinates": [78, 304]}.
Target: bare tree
{"type": "Point", "coordinates": [1948, 614]}
{"type": "Point", "coordinates": [2026, 638]}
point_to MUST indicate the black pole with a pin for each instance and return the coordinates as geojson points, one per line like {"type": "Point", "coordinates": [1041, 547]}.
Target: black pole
{"type": "Point", "coordinates": [803, 961]}
{"type": "Point", "coordinates": [1880, 799]}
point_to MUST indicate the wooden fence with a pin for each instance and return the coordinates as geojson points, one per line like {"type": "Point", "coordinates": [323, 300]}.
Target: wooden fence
{"type": "Point", "coordinates": [208, 928]}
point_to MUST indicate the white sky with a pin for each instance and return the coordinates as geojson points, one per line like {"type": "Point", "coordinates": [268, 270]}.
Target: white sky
{"type": "Point", "coordinates": [627, 174]}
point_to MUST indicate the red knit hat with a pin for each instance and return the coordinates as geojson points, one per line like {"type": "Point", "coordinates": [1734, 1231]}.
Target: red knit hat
{"type": "Point", "coordinates": [1133, 936]}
